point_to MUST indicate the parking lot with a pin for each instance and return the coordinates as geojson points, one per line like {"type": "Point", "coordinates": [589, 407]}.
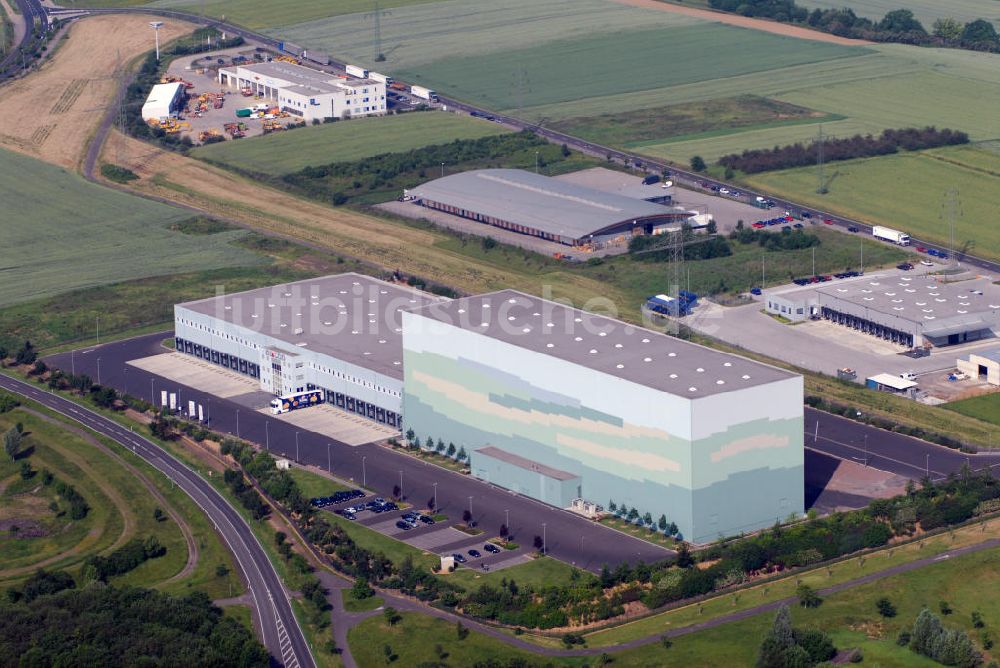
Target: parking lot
{"type": "Point", "coordinates": [337, 424]}
{"type": "Point", "coordinates": [419, 529]}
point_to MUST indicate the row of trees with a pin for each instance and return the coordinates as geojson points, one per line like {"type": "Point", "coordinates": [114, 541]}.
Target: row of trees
{"type": "Point", "coordinates": [785, 646]}
{"type": "Point", "coordinates": [859, 146]}
{"type": "Point", "coordinates": [899, 25]}
{"type": "Point", "coordinates": [49, 622]}
{"type": "Point", "coordinates": [787, 240]}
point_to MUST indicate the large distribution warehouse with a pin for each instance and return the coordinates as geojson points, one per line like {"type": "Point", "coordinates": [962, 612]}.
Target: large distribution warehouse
{"type": "Point", "coordinates": [552, 402]}
{"type": "Point", "coordinates": [340, 334]}
{"type": "Point", "coordinates": [541, 206]}
{"type": "Point", "coordinates": [307, 93]}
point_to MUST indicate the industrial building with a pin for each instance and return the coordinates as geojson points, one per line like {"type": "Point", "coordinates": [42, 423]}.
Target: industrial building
{"type": "Point", "coordinates": [164, 101]}
{"type": "Point", "coordinates": [544, 207]}
{"type": "Point", "coordinates": [983, 365]}
{"type": "Point", "coordinates": [307, 93]}
{"type": "Point", "coordinates": [912, 311]}
{"type": "Point", "coordinates": [559, 404]}
{"type": "Point", "coordinates": [340, 334]}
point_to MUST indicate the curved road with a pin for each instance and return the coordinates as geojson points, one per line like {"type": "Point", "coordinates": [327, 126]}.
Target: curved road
{"type": "Point", "coordinates": [282, 635]}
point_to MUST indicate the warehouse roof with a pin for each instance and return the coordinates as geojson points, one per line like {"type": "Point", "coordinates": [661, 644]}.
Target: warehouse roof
{"type": "Point", "coordinates": [538, 202]}
{"type": "Point", "coordinates": [160, 97]}
{"type": "Point", "coordinates": [604, 344]}
{"type": "Point", "coordinates": [351, 317]}
{"type": "Point", "coordinates": [297, 75]}
{"type": "Point", "coordinates": [895, 382]}
{"type": "Point", "coordinates": [524, 463]}
{"type": "Point", "coordinates": [619, 183]}
{"type": "Point", "coordinates": [993, 354]}
{"type": "Point", "coordinates": [922, 299]}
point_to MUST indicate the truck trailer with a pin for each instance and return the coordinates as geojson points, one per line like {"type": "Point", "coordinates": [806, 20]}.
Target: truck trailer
{"type": "Point", "coordinates": [375, 76]}
{"type": "Point", "coordinates": [423, 93]}
{"type": "Point", "coordinates": [889, 234]}
{"type": "Point", "coordinates": [356, 71]}
{"type": "Point", "coordinates": [291, 402]}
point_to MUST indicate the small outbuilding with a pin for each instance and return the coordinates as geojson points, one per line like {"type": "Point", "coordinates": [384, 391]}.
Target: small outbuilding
{"type": "Point", "coordinates": [984, 365]}
{"type": "Point", "coordinates": [886, 382]}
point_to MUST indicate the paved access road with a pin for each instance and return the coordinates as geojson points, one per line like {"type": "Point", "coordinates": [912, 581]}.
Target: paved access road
{"type": "Point", "coordinates": [568, 537]}
{"type": "Point", "coordinates": [888, 451]}
{"type": "Point", "coordinates": [281, 632]}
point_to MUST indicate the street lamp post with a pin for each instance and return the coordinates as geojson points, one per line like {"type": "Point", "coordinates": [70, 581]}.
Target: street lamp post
{"type": "Point", "coordinates": [237, 423]}
{"type": "Point", "coordinates": [543, 538]}
{"type": "Point", "coordinates": [72, 361]}
{"type": "Point", "coordinates": [98, 370]}
{"type": "Point", "coordinates": [470, 509]}
{"type": "Point", "coordinates": [506, 514]}
{"type": "Point", "coordinates": [364, 476]}
{"type": "Point", "coordinates": [400, 485]}
{"type": "Point", "coordinates": [329, 468]}
{"type": "Point", "coordinates": [866, 449]}
{"type": "Point", "coordinates": [435, 496]}
{"type": "Point", "coordinates": [928, 465]}
{"type": "Point", "coordinates": [125, 378]}
{"type": "Point", "coordinates": [267, 435]}
{"type": "Point", "coordinates": [297, 447]}
{"type": "Point", "coordinates": [152, 398]}
{"type": "Point", "coordinates": [156, 25]}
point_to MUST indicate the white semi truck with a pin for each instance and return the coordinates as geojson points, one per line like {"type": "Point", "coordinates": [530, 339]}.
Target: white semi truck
{"type": "Point", "coordinates": [423, 93]}
{"type": "Point", "coordinates": [375, 76]}
{"type": "Point", "coordinates": [356, 71]}
{"type": "Point", "coordinates": [889, 234]}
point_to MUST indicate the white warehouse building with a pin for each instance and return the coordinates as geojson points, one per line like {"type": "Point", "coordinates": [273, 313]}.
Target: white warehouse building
{"type": "Point", "coordinates": [163, 101]}
{"type": "Point", "coordinates": [338, 334]}
{"type": "Point", "coordinates": [307, 93]}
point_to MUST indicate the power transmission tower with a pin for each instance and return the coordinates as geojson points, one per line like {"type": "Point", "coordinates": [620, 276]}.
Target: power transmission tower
{"type": "Point", "coordinates": [121, 147]}
{"type": "Point", "coordinates": [821, 187]}
{"type": "Point", "coordinates": [376, 17]}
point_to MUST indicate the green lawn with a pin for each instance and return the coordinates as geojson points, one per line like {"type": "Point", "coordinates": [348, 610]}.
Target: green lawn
{"type": "Point", "coordinates": [916, 184]}
{"type": "Point", "coordinates": [257, 15]}
{"type": "Point", "coordinates": [535, 573]}
{"type": "Point", "coordinates": [352, 604]}
{"type": "Point", "coordinates": [116, 497]}
{"type": "Point", "coordinates": [598, 65]}
{"type": "Point", "coordinates": [125, 237]}
{"type": "Point", "coordinates": [284, 152]}
{"type": "Point", "coordinates": [984, 407]}
{"type": "Point", "coordinates": [850, 617]}
{"type": "Point", "coordinates": [372, 540]}
{"type": "Point", "coordinates": [314, 484]}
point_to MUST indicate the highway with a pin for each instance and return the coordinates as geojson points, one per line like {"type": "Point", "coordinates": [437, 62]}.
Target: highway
{"type": "Point", "coordinates": [281, 632]}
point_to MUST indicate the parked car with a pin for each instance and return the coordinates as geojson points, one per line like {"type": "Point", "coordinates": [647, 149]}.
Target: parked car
{"type": "Point", "coordinates": [905, 266]}
{"type": "Point", "coordinates": [798, 226]}
{"type": "Point", "coordinates": [927, 263]}
{"type": "Point", "coordinates": [755, 291]}
{"type": "Point", "coordinates": [491, 548]}
{"type": "Point", "coordinates": [427, 519]}
{"type": "Point", "coordinates": [852, 228]}
{"type": "Point", "coordinates": [920, 249]}
{"type": "Point", "coordinates": [401, 524]}
{"type": "Point", "coordinates": [828, 221]}
{"type": "Point", "coordinates": [459, 558]}
{"type": "Point", "coordinates": [475, 554]}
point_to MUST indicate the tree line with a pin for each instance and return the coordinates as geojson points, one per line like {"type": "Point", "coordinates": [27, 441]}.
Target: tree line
{"type": "Point", "coordinates": [48, 621]}
{"type": "Point", "coordinates": [847, 148]}
{"type": "Point", "coordinates": [899, 25]}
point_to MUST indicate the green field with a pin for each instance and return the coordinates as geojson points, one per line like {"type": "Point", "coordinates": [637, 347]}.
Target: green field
{"type": "Point", "coordinates": [345, 141]}
{"type": "Point", "coordinates": [850, 618]}
{"type": "Point", "coordinates": [599, 65]}
{"type": "Point", "coordinates": [456, 29]}
{"type": "Point", "coordinates": [907, 191]}
{"type": "Point", "coordinates": [125, 237]}
{"type": "Point", "coordinates": [926, 11]}
{"type": "Point", "coordinates": [121, 509]}
{"type": "Point", "coordinates": [702, 118]}
{"type": "Point", "coordinates": [984, 407]}
{"type": "Point", "coordinates": [313, 484]}
{"type": "Point", "coordinates": [258, 15]}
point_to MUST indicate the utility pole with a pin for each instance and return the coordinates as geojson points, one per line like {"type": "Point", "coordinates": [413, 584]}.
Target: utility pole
{"type": "Point", "coordinates": [156, 25]}
{"type": "Point", "coordinates": [814, 260]}
{"type": "Point", "coordinates": [329, 467]}
{"type": "Point", "coordinates": [951, 209]}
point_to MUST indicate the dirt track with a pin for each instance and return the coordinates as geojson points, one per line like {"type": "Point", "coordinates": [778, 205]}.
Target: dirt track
{"type": "Point", "coordinates": [745, 22]}
{"type": "Point", "coordinates": [51, 114]}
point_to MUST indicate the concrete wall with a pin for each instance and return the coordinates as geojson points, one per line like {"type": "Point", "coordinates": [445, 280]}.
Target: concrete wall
{"type": "Point", "coordinates": [971, 366]}
{"type": "Point", "coordinates": [719, 465]}
{"type": "Point", "coordinates": [795, 309]}
{"type": "Point", "coordinates": [537, 485]}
